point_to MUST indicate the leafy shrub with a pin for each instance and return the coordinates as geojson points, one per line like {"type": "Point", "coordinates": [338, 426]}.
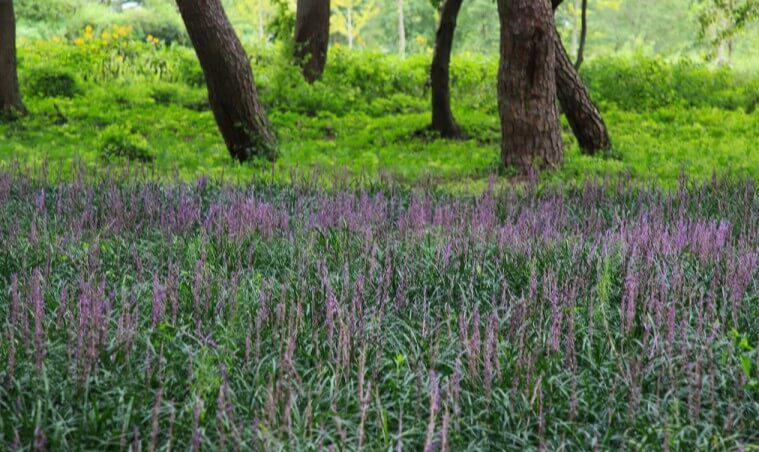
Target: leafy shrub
{"type": "Point", "coordinates": [48, 11]}
{"type": "Point", "coordinates": [49, 81]}
{"type": "Point", "coordinates": [121, 141]}
{"type": "Point", "coordinates": [642, 83]}
{"type": "Point", "coordinates": [156, 19]}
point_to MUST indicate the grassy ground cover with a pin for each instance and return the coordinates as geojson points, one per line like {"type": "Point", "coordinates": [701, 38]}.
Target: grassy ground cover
{"type": "Point", "coordinates": [366, 117]}
{"type": "Point", "coordinates": [207, 316]}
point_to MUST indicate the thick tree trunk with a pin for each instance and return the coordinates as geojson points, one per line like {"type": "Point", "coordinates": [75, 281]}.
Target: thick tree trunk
{"type": "Point", "coordinates": [231, 88]}
{"type": "Point", "coordinates": [582, 114]}
{"type": "Point", "coordinates": [527, 86]}
{"type": "Point", "coordinates": [312, 37]}
{"type": "Point", "coordinates": [442, 116]}
{"type": "Point", "coordinates": [10, 94]}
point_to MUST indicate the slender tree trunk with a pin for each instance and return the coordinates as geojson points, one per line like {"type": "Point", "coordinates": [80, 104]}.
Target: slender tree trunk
{"type": "Point", "coordinates": [401, 30]}
{"type": "Point", "coordinates": [10, 94]}
{"type": "Point", "coordinates": [574, 42]}
{"type": "Point", "coordinates": [231, 88]}
{"type": "Point", "coordinates": [442, 116]}
{"type": "Point", "coordinates": [261, 20]}
{"type": "Point", "coordinates": [582, 114]}
{"type": "Point", "coordinates": [583, 35]}
{"type": "Point", "coordinates": [349, 25]}
{"type": "Point", "coordinates": [527, 86]}
{"type": "Point", "coordinates": [312, 37]}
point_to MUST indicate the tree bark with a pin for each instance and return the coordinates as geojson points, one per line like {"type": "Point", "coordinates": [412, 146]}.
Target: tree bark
{"type": "Point", "coordinates": [582, 114]}
{"type": "Point", "coordinates": [232, 89]}
{"type": "Point", "coordinates": [583, 35]}
{"type": "Point", "coordinates": [312, 37]}
{"type": "Point", "coordinates": [527, 86]}
{"type": "Point", "coordinates": [11, 104]}
{"type": "Point", "coordinates": [442, 116]}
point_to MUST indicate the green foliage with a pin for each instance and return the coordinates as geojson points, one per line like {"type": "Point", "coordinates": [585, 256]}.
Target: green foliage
{"type": "Point", "coordinates": [282, 23]}
{"type": "Point", "coordinates": [721, 21]}
{"type": "Point", "coordinates": [121, 141]}
{"type": "Point", "coordinates": [366, 113]}
{"type": "Point", "coordinates": [49, 81]}
{"type": "Point", "coordinates": [158, 19]}
{"type": "Point", "coordinates": [649, 83]}
{"type": "Point", "coordinates": [49, 11]}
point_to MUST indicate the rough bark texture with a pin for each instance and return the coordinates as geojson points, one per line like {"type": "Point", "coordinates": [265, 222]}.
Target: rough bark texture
{"type": "Point", "coordinates": [231, 88]}
{"type": "Point", "coordinates": [527, 86]}
{"type": "Point", "coordinates": [582, 114]}
{"type": "Point", "coordinates": [312, 37]}
{"type": "Point", "coordinates": [10, 94]}
{"type": "Point", "coordinates": [442, 116]}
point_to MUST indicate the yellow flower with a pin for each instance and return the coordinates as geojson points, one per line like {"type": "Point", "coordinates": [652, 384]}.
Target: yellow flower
{"type": "Point", "coordinates": [105, 36]}
{"type": "Point", "coordinates": [421, 40]}
{"type": "Point", "coordinates": [79, 41]}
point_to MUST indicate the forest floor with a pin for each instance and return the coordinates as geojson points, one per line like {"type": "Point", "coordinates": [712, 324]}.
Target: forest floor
{"type": "Point", "coordinates": [180, 134]}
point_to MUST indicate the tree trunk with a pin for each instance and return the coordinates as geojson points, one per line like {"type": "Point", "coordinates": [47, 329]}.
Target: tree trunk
{"type": "Point", "coordinates": [312, 37]}
{"type": "Point", "coordinates": [231, 88]}
{"type": "Point", "coordinates": [527, 86]}
{"type": "Point", "coordinates": [261, 31]}
{"type": "Point", "coordinates": [574, 42]}
{"type": "Point", "coordinates": [582, 114]}
{"type": "Point", "coordinates": [10, 94]}
{"type": "Point", "coordinates": [401, 30]}
{"type": "Point", "coordinates": [583, 35]}
{"type": "Point", "coordinates": [442, 116]}
{"type": "Point", "coordinates": [349, 25]}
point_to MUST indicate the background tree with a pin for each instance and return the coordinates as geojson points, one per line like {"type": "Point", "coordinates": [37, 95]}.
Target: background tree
{"type": "Point", "coordinates": [720, 22]}
{"type": "Point", "coordinates": [442, 116]}
{"type": "Point", "coordinates": [583, 35]}
{"type": "Point", "coordinates": [231, 88]}
{"type": "Point", "coordinates": [401, 30]}
{"type": "Point", "coordinates": [11, 104]}
{"type": "Point", "coordinates": [252, 15]}
{"type": "Point", "coordinates": [531, 136]}
{"type": "Point", "coordinates": [351, 17]}
{"type": "Point", "coordinates": [312, 36]}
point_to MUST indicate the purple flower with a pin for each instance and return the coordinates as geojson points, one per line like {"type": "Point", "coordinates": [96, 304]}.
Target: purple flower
{"type": "Point", "coordinates": [38, 305]}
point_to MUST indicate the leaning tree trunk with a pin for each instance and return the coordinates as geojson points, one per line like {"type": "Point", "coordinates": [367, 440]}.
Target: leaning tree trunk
{"type": "Point", "coordinates": [583, 115]}
{"type": "Point", "coordinates": [527, 86]}
{"type": "Point", "coordinates": [10, 94]}
{"type": "Point", "coordinates": [231, 88]}
{"type": "Point", "coordinates": [312, 37]}
{"type": "Point", "coordinates": [442, 116]}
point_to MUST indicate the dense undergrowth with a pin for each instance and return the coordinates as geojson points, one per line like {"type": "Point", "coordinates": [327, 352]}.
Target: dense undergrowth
{"type": "Point", "coordinates": [207, 316]}
{"type": "Point", "coordinates": [111, 96]}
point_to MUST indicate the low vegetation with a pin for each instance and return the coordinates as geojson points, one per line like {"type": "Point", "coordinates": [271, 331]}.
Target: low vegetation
{"type": "Point", "coordinates": [366, 116]}
{"type": "Point", "coordinates": [211, 316]}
